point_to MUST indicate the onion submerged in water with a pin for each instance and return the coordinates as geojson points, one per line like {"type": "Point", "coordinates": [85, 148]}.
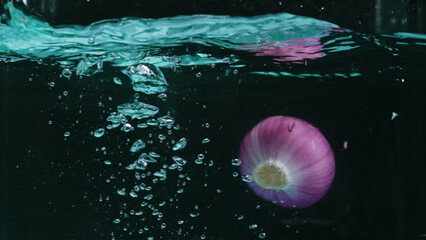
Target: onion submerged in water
{"type": "Point", "coordinates": [288, 160]}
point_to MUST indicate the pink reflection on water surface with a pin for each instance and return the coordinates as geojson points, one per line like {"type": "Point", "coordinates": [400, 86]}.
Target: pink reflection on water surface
{"type": "Point", "coordinates": [293, 50]}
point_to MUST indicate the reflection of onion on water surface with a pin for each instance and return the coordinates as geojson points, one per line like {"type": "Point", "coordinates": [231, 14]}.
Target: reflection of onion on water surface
{"type": "Point", "coordinates": [293, 50]}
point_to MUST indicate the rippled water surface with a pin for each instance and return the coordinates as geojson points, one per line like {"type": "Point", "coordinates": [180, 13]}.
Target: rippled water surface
{"type": "Point", "coordinates": [130, 128]}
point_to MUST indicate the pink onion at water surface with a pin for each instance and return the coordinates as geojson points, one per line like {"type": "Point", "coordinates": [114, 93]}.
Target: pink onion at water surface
{"type": "Point", "coordinates": [288, 160]}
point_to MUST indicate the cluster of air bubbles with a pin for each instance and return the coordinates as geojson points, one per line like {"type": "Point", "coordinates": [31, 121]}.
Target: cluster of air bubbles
{"type": "Point", "coordinates": [152, 154]}
{"type": "Point", "coordinates": [89, 65]}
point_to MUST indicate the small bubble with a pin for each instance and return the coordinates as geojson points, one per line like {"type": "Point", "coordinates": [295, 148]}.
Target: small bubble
{"type": "Point", "coordinates": [235, 71]}
{"type": "Point", "coordinates": [152, 122]}
{"type": "Point", "coordinates": [179, 161]}
{"type": "Point", "coordinates": [345, 144]}
{"type": "Point", "coordinates": [162, 96]}
{"type": "Point", "coordinates": [117, 81]}
{"type": "Point", "coordinates": [99, 132]}
{"type": "Point", "coordinates": [246, 178]}
{"type": "Point", "coordinates": [180, 144]}
{"type": "Point", "coordinates": [262, 235]}
{"type": "Point", "coordinates": [253, 226]}
{"type": "Point", "coordinates": [137, 145]}
{"type": "Point", "coordinates": [133, 194]}
{"type": "Point", "coordinates": [148, 197]}
{"type": "Point", "coordinates": [236, 162]}
{"type": "Point", "coordinates": [161, 137]}
{"type": "Point", "coordinates": [205, 140]}
{"type": "Point", "coordinates": [394, 115]}
{"type": "Point", "coordinates": [91, 40]}
{"type": "Point", "coordinates": [66, 134]}
{"type": "Point", "coordinates": [198, 74]}
{"type": "Point", "coordinates": [142, 125]}
{"type": "Point", "coordinates": [67, 73]}
{"type": "Point", "coordinates": [127, 127]}
{"type": "Point", "coordinates": [121, 192]}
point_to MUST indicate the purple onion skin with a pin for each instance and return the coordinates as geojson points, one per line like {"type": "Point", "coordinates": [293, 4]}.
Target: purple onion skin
{"type": "Point", "coordinates": [299, 149]}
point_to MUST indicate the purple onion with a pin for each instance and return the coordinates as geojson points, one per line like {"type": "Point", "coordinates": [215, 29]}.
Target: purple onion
{"type": "Point", "coordinates": [288, 161]}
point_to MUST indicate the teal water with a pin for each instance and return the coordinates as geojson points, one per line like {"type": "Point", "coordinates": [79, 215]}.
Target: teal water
{"type": "Point", "coordinates": [130, 128]}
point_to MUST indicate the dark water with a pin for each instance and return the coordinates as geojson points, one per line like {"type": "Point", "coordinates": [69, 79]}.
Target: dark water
{"type": "Point", "coordinates": [59, 181]}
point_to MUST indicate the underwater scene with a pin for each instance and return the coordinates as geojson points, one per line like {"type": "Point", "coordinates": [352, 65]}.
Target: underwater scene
{"type": "Point", "coordinates": [155, 129]}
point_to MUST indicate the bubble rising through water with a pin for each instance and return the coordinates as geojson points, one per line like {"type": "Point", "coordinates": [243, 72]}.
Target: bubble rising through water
{"type": "Point", "coordinates": [99, 132]}
{"type": "Point", "coordinates": [137, 110]}
{"type": "Point", "coordinates": [146, 78]}
{"type": "Point", "coordinates": [180, 144]}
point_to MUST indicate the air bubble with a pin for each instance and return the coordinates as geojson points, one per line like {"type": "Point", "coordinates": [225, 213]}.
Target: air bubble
{"type": "Point", "coordinates": [179, 161]}
{"type": "Point", "coordinates": [133, 194]}
{"type": "Point", "coordinates": [236, 162]}
{"type": "Point", "coordinates": [91, 40]}
{"type": "Point", "coordinates": [246, 178]}
{"type": "Point", "coordinates": [67, 73]}
{"type": "Point", "coordinates": [253, 226]}
{"type": "Point", "coordinates": [121, 192]}
{"type": "Point", "coordinates": [117, 81]}
{"type": "Point", "coordinates": [137, 146]}
{"type": "Point", "coordinates": [161, 137]}
{"type": "Point", "coordinates": [127, 127]}
{"type": "Point", "coordinates": [180, 144]}
{"type": "Point", "coordinates": [99, 132]}
{"type": "Point", "coordinates": [162, 96]}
